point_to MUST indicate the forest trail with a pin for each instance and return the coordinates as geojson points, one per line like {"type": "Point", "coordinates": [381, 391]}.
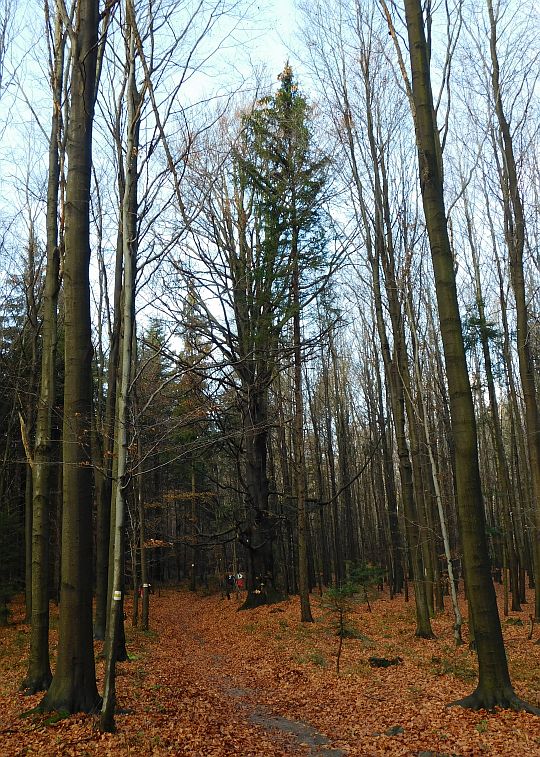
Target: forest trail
{"type": "Point", "coordinates": [215, 674]}
{"type": "Point", "coordinates": [211, 681]}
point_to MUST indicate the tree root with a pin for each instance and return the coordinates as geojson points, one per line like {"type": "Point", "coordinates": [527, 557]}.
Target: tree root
{"type": "Point", "coordinates": [504, 699]}
{"type": "Point", "coordinates": [70, 705]}
{"type": "Point", "coordinates": [260, 599]}
{"type": "Point", "coordinates": [35, 684]}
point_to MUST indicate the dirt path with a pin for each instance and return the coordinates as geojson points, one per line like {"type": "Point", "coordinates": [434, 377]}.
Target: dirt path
{"type": "Point", "coordinates": [216, 670]}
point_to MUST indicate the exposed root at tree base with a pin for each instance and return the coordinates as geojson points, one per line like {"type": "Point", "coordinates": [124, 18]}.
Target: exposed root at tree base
{"type": "Point", "coordinates": [504, 700]}
{"type": "Point", "coordinates": [34, 685]}
{"type": "Point", "coordinates": [259, 600]}
{"type": "Point", "coordinates": [107, 724]}
{"type": "Point", "coordinates": [70, 706]}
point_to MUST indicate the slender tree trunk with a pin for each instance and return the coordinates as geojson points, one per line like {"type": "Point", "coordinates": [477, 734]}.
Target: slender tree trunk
{"type": "Point", "coordinates": [494, 687]}
{"type": "Point", "coordinates": [129, 237]}
{"type": "Point", "coordinates": [423, 625]}
{"type": "Point", "coordinates": [194, 551]}
{"type": "Point", "coordinates": [104, 488]}
{"type": "Point", "coordinates": [321, 490]}
{"type": "Point", "coordinates": [339, 568]}
{"type": "Point", "coordinates": [391, 497]}
{"type": "Point", "coordinates": [142, 536]}
{"type": "Point", "coordinates": [299, 458]}
{"type": "Point", "coordinates": [507, 499]}
{"type": "Point", "coordinates": [393, 363]}
{"type": "Point", "coordinates": [458, 620]}
{"type": "Point", "coordinates": [28, 518]}
{"type": "Point", "coordinates": [39, 674]}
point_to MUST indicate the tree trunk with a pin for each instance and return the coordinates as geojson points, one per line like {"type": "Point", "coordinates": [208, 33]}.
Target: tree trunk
{"type": "Point", "coordinates": [38, 500]}
{"type": "Point", "coordinates": [507, 499]}
{"type": "Point", "coordinates": [73, 687]}
{"type": "Point", "coordinates": [494, 687]}
{"type": "Point", "coordinates": [142, 536]}
{"type": "Point", "coordinates": [129, 237]}
{"type": "Point", "coordinates": [260, 533]}
{"type": "Point", "coordinates": [299, 458]}
{"type": "Point", "coordinates": [458, 620]}
{"type": "Point", "coordinates": [104, 489]}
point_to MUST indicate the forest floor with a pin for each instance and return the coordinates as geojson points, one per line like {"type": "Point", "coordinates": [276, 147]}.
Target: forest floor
{"type": "Point", "coordinates": [208, 680]}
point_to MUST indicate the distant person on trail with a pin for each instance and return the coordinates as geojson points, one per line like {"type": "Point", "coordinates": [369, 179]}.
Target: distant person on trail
{"type": "Point", "coordinates": [240, 581]}
{"type": "Point", "coordinates": [229, 585]}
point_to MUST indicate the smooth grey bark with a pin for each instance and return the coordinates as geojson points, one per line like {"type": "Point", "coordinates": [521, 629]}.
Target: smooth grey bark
{"type": "Point", "coordinates": [129, 242]}
{"type": "Point", "coordinates": [104, 489]}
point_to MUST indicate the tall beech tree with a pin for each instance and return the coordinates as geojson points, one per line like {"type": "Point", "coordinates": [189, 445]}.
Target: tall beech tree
{"type": "Point", "coordinates": [129, 244]}
{"type": "Point", "coordinates": [39, 674]}
{"type": "Point", "coordinates": [73, 686]}
{"type": "Point", "coordinates": [494, 687]}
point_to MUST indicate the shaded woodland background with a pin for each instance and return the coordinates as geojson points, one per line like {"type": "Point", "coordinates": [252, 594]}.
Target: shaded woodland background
{"type": "Point", "coordinates": [224, 340]}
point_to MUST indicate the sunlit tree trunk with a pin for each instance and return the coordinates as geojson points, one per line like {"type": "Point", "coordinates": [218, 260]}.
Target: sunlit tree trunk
{"type": "Point", "coordinates": [104, 489]}
{"type": "Point", "coordinates": [129, 238]}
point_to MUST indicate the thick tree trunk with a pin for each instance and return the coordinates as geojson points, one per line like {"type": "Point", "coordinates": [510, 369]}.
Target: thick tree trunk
{"type": "Point", "coordinates": [73, 687]}
{"type": "Point", "coordinates": [260, 533]}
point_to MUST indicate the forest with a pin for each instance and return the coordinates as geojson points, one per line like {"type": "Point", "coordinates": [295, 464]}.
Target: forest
{"type": "Point", "coordinates": [269, 406]}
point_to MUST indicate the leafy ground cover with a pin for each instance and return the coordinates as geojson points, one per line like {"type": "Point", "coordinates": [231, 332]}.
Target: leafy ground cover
{"type": "Point", "coordinates": [208, 680]}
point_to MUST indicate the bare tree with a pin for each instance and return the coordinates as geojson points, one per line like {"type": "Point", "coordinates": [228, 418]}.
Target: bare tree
{"type": "Point", "coordinates": [73, 686]}
{"type": "Point", "coordinates": [39, 673]}
{"type": "Point", "coordinates": [494, 686]}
